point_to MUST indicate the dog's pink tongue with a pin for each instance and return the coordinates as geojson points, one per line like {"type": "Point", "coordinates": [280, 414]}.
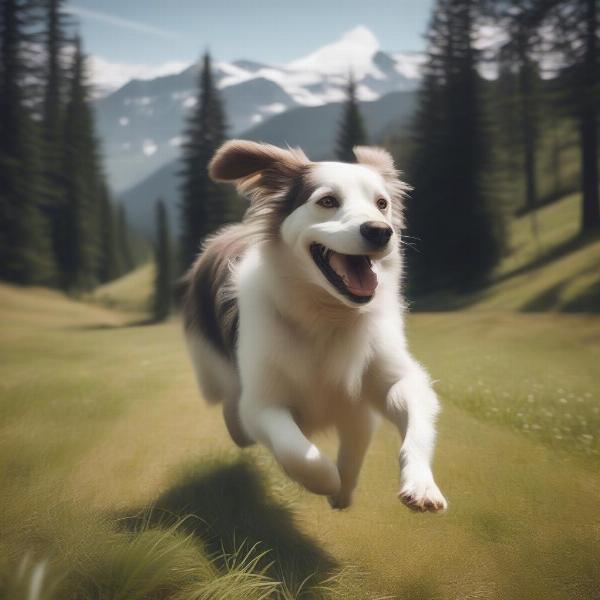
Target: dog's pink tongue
{"type": "Point", "coordinates": [356, 272]}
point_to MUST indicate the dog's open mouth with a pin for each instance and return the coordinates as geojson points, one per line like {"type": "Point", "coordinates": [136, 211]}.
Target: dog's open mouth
{"type": "Point", "coordinates": [351, 275]}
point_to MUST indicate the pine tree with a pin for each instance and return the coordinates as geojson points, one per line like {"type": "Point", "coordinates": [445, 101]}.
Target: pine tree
{"type": "Point", "coordinates": [520, 116]}
{"type": "Point", "coordinates": [24, 242]}
{"type": "Point", "coordinates": [123, 241]}
{"type": "Point", "coordinates": [458, 226]}
{"type": "Point", "coordinates": [351, 129]}
{"type": "Point", "coordinates": [571, 28]}
{"type": "Point", "coordinates": [78, 230]}
{"type": "Point", "coordinates": [52, 117]}
{"type": "Point", "coordinates": [109, 267]}
{"type": "Point", "coordinates": [163, 281]}
{"type": "Point", "coordinates": [205, 205]}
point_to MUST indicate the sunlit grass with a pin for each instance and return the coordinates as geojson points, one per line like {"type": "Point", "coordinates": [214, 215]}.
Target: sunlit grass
{"type": "Point", "coordinates": [560, 273]}
{"type": "Point", "coordinates": [537, 374]}
{"type": "Point", "coordinates": [128, 293]}
{"type": "Point", "coordinates": [116, 481]}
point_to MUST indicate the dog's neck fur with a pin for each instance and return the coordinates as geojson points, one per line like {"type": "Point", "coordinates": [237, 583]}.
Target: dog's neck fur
{"type": "Point", "coordinates": [307, 305]}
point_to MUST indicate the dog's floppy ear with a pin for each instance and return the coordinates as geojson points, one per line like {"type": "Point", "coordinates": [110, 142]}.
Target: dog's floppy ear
{"type": "Point", "coordinates": [381, 161]}
{"type": "Point", "coordinates": [251, 165]}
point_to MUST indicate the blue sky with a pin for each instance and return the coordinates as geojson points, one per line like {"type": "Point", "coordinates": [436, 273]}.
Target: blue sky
{"type": "Point", "coordinates": [155, 33]}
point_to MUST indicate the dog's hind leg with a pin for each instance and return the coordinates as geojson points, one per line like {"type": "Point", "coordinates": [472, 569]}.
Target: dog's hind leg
{"type": "Point", "coordinates": [218, 381]}
{"type": "Point", "coordinates": [412, 406]}
{"type": "Point", "coordinates": [274, 426]}
{"type": "Point", "coordinates": [355, 431]}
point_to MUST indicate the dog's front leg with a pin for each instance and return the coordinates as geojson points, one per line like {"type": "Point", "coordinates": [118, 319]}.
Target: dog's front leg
{"type": "Point", "coordinates": [412, 405]}
{"type": "Point", "coordinates": [355, 431]}
{"type": "Point", "coordinates": [274, 426]}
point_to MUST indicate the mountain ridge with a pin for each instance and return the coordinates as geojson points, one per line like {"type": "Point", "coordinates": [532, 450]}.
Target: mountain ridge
{"type": "Point", "coordinates": [141, 123]}
{"type": "Point", "coordinates": [312, 128]}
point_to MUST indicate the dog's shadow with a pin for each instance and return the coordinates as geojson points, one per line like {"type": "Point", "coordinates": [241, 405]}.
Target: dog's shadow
{"type": "Point", "coordinates": [227, 505]}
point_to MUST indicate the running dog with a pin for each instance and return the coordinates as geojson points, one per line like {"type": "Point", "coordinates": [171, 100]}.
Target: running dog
{"type": "Point", "coordinates": [294, 318]}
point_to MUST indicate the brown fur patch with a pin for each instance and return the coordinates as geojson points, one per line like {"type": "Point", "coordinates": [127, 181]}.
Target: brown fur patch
{"type": "Point", "coordinates": [381, 161]}
{"type": "Point", "coordinates": [210, 303]}
{"type": "Point", "coordinates": [237, 160]}
{"type": "Point", "coordinates": [273, 179]}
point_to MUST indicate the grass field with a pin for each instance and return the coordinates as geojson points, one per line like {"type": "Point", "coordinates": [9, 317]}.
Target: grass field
{"type": "Point", "coordinates": [116, 481]}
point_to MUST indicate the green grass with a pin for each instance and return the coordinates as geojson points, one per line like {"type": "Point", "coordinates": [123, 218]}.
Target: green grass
{"type": "Point", "coordinates": [116, 481]}
{"type": "Point", "coordinates": [558, 272]}
{"type": "Point", "coordinates": [128, 293]}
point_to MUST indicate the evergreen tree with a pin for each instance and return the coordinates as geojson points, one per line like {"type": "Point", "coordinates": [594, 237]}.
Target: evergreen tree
{"type": "Point", "coordinates": [24, 242]}
{"type": "Point", "coordinates": [123, 241]}
{"type": "Point", "coordinates": [519, 86]}
{"type": "Point", "coordinates": [78, 241]}
{"type": "Point", "coordinates": [571, 29]}
{"type": "Point", "coordinates": [205, 205]}
{"type": "Point", "coordinates": [458, 226]}
{"type": "Point", "coordinates": [52, 118]}
{"type": "Point", "coordinates": [109, 267]}
{"type": "Point", "coordinates": [163, 261]}
{"type": "Point", "coordinates": [351, 129]}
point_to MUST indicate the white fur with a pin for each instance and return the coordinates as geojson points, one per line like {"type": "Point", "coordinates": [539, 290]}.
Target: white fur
{"type": "Point", "coordinates": [309, 358]}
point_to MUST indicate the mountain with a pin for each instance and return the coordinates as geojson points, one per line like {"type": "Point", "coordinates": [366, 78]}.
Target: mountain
{"type": "Point", "coordinates": [312, 128]}
{"type": "Point", "coordinates": [141, 124]}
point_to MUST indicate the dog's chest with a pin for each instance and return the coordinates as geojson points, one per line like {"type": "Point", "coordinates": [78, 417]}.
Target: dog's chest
{"type": "Point", "coordinates": [327, 377]}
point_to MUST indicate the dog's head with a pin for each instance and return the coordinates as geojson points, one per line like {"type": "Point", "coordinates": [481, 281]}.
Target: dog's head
{"type": "Point", "coordinates": [339, 219]}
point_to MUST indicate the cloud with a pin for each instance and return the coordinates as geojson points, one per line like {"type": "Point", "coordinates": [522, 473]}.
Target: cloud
{"type": "Point", "coordinates": [120, 22]}
{"type": "Point", "coordinates": [107, 76]}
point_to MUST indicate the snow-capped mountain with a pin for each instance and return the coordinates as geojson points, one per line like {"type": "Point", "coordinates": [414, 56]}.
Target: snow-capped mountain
{"type": "Point", "coordinates": [141, 124]}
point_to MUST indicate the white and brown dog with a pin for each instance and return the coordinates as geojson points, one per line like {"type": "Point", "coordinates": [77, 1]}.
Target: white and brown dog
{"type": "Point", "coordinates": [294, 318]}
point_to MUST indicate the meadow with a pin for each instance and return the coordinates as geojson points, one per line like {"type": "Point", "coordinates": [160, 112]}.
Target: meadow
{"type": "Point", "coordinates": [117, 481]}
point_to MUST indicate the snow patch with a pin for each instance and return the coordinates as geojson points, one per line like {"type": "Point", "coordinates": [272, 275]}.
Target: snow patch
{"type": "Point", "coordinates": [107, 76]}
{"type": "Point", "coordinates": [149, 147]}
{"type": "Point", "coordinates": [275, 108]}
{"type": "Point", "coordinates": [123, 121]}
{"type": "Point", "coordinates": [409, 65]}
{"type": "Point", "coordinates": [353, 52]}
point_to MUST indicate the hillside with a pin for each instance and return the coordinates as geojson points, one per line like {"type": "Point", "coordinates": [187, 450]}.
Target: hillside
{"type": "Point", "coordinates": [560, 273]}
{"type": "Point", "coordinates": [130, 293]}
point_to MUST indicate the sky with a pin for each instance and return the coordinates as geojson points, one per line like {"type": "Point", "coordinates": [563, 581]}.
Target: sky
{"type": "Point", "coordinates": [147, 38]}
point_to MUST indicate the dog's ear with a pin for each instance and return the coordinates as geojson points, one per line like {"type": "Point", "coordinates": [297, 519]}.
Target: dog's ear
{"type": "Point", "coordinates": [381, 161]}
{"type": "Point", "coordinates": [377, 158]}
{"type": "Point", "coordinates": [251, 165]}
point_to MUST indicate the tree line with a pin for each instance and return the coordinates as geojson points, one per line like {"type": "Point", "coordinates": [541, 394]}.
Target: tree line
{"type": "Point", "coordinates": [473, 148]}
{"type": "Point", "coordinates": [58, 223]}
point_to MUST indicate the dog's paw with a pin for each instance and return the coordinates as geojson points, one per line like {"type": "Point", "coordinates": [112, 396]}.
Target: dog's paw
{"type": "Point", "coordinates": [340, 501]}
{"type": "Point", "coordinates": [422, 497]}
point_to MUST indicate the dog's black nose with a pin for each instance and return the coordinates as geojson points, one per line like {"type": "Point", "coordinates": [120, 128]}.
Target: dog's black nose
{"type": "Point", "coordinates": [377, 233]}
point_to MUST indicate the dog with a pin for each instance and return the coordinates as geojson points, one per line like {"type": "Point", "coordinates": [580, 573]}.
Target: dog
{"type": "Point", "coordinates": [294, 318]}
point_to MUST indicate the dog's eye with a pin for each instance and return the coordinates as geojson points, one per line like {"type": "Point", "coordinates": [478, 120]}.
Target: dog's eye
{"type": "Point", "coordinates": [382, 204]}
{"type": "Point", "coordinates": [328, 202]}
